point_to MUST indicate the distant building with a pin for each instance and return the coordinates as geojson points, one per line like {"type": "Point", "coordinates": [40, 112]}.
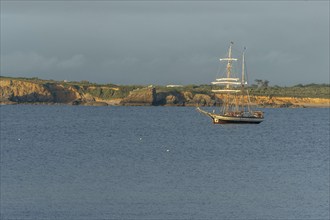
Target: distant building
{"type": "Point", "coordinates": [171, 86]}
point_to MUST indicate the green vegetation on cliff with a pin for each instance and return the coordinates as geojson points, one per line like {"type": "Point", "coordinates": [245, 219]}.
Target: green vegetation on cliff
{"type": "Point", "coordinates": [109, 91]}
{"type": "Point", "coordinates": [34, 90]}
{"type": "Point", "coordinates": [299, 91]}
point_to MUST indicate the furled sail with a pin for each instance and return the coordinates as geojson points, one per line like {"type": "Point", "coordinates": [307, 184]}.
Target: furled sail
{"type": "Point", "coordinates": [226, 90]}
{"type": "Point", "coordinates": [227, 79]}
{"type": "Point", "coordinates": [226, 82]}
{"type": "Point", "coordinates": [228, 59]}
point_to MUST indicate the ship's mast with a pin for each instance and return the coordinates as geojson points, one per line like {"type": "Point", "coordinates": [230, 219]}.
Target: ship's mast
{"type": "Point", "coordinates": [230, 99]}
{"type": "Point", "coordinates": [243, 80]}
{"type": "Point", "coordinates": [243, 67]}
{"type": "Point", "coordinates": [243, 83]}
{"type": "Point", "coordinates": [229, 68]}
{"type": "Point", "coordinates": [229, 63]}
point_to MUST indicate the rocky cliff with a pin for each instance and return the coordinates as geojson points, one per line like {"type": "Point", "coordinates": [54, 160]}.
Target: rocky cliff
{"type": "Point", "coordinates": [23, 91]}
{"type": "Point", "coordinates": [20, 91]}
{"type": "Point", "coordinates": [269, 101]}
{"type": "Point", "coordinates": [140, 97]}
{"type": "Point", "coordinates": [30, 92]}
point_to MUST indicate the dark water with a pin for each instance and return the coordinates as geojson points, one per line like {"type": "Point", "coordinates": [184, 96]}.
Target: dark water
{"type": "Point", "coordinates": [71, 162]}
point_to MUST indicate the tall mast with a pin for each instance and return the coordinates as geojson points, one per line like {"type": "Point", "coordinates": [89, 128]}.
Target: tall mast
{"type": "Point", "coordinates": [243, 82]}
{"type": "Point", "coordinates": [229, 67]}
{"type": "Point", "coordinates": [230, 60]}
{"type": "Point", "coordinates": [243, 67]}
{"type": "Point", "coordinates": [243, 73]}
{"type": "Point", "coordinates": [229, 82]}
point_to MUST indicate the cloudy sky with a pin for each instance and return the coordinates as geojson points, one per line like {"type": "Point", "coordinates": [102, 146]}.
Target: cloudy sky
{"type": "Point", "coordinates": [164, 42]}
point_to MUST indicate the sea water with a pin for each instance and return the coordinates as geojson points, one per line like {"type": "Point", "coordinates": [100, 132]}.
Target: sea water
{"type": "Point", "coordinates": [80, 162]}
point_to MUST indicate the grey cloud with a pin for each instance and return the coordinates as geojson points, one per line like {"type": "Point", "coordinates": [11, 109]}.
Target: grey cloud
{"type": "Point", "coordinates": [74, 62]}
{"type": "Point", "coordinates": [20, 62]}
{"type": "Point", "coordinates": [146, 42]}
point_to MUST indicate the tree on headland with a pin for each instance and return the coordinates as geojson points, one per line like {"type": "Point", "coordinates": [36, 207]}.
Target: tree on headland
{"type": "Point", "coordinates": [262, 83]}
{"type": "Point", "coordinates": [265, 83]}
{"type": "Point", "coordinates": [259, 82]}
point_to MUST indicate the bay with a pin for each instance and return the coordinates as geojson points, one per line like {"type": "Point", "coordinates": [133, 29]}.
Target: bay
{"type": "Point", "coordinates": [83, 162]}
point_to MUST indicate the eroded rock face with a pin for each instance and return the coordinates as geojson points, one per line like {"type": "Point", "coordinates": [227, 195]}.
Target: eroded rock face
{"type": "Point", "coordinates": [144, 96]}
{"type": "Point", "coordinates": [169, 98]}
{"type": "Point", "coordinates": [271, 101]}
{"type": "Point", "coordinates": [188, 96]}
{"type": "Point", "coordinates": [63, 94]}
{"type": "Point", "coordinates": [20, 91]}
{"type": "Point", "coordinates": [203, 100]}
{"type": "Point", "coordinates": [23, 91]}
{"type": "Point", "coordinates": [17, 91]}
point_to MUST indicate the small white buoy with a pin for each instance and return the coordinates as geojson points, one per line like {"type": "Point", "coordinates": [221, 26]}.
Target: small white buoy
{"type": "Point", "coordinates": [167, 150]}
{"type": "Point", "coordinates": [18, 139]}
{"type": "Point", "coordinates": [140, 139]}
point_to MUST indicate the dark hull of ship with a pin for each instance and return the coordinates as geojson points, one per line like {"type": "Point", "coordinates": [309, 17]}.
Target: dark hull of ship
{"type": "Point", "coordinates": [226, 119]}
{"type": "Point", "coordinates": [234, 120]}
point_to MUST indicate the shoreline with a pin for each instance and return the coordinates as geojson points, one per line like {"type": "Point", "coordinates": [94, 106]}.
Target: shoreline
{"type": "Point", "coordinates": [40, 92]}
{"type": "Point", "coordinates": [103, 104]}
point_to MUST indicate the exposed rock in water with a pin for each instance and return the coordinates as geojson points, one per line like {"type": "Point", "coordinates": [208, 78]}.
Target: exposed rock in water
{"type": "Point", "coordinates": [5, 101]}
{"type": "Point", "coordinates": [95, 104]}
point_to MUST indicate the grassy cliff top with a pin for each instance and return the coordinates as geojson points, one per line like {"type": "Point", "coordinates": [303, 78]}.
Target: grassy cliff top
{"type": "Point", "coordinates": [301, 91]}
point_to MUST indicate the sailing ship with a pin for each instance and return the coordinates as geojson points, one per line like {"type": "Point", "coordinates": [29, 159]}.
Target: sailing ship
{"type": "Point", "coordinates": [236, 103]}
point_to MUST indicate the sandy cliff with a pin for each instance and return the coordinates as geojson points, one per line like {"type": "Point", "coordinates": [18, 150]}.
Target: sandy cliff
{"type": "Point", "coordinates": [290, 101]}
{"type": "Point", "coordinates": [19, 91]}
{"type": "Point", "coordinates": [24, 91]}
{"type": "Point", "coordinates": [140, 97]}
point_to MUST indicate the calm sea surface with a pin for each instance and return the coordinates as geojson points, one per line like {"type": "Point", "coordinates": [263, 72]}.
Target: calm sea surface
{"type": "Point", "coordinates": [76, 162]}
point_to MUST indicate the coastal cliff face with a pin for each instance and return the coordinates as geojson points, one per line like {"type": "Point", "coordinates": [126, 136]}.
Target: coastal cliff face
{"type": "Point", "coordinates": [140, 97]}
{"type": "Point", "coordinates": [268, 101]}
{"type": "Point", "coordinates": [19, 91]}
{"type": "Point", "coordinates": [22, 91]}
{"type": "Point", "coordinates": [14, 91]}
{"type": "Point", "coordinates": [63, 94]}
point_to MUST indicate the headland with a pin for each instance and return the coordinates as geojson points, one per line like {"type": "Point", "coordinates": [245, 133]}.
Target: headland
{"type": "Point", "coordinates": [38, 91]}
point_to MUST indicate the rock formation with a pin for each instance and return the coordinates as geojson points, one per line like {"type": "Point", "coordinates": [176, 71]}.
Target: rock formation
{"type": "Point", "coordinates": [14, 91]}
{"type": "Point", "coordinates": [20, 91]}
{"type": "Point", "coordinates": [140, 97]}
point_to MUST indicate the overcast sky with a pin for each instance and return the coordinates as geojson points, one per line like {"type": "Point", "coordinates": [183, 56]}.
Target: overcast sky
{"type": "Point", "coordinates": [164, 42]}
